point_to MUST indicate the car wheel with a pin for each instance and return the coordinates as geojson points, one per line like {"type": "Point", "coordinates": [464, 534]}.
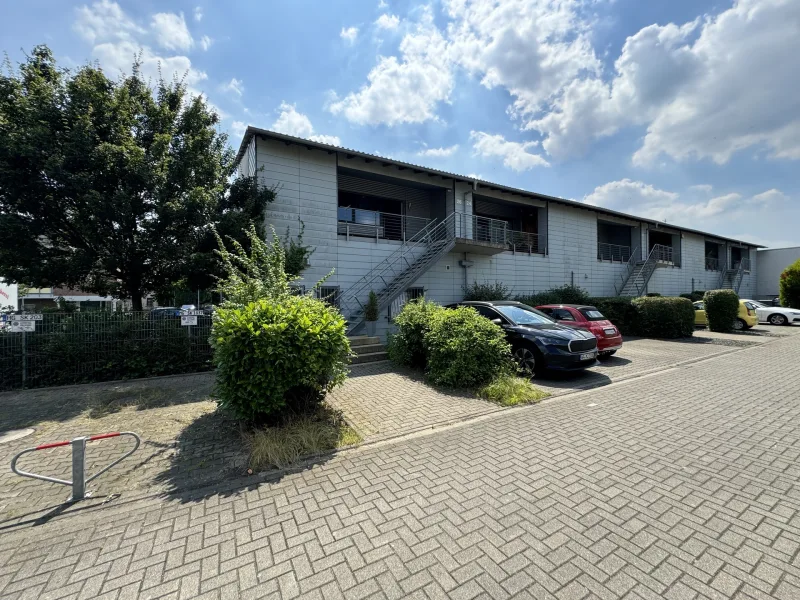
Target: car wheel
{"type": "Point", "coordinates": [526, 360]}
{"type": "Point", "coordinates": [739, 325]}
{"type": "Point", "coordinates": [778, 319]}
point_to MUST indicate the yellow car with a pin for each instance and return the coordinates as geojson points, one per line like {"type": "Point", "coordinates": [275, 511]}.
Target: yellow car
{"type": "Point", "coordinates": [746, 319]}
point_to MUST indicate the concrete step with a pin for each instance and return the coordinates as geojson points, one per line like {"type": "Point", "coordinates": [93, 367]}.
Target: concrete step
{"type": "Point", "coordinates": [371, 357]}
{"type": "Point", "coordinates": [363, 340]}
{"type": "Point", "coordinates": [368, 348]}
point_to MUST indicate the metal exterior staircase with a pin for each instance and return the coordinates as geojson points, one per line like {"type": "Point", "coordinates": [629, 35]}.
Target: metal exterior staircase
{"type": "Point", "coordinates": [639, 272]}
{"type": "Point", "coordinates": [392, 276]}
{"type": "Point", "coordinates": [731, 279]}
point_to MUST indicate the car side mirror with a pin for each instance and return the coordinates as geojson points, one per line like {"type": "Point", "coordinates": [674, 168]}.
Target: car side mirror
{"type": "Point", "coordinates": [497, 321]}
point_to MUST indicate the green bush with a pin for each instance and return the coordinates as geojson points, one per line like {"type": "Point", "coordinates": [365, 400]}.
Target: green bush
{"type": "Point", "coordinates": [486, 291]}
{"type": "Point", "coordinates": [694, 296]}
{"type": "Point", "coordinates": [722, 309]}
{"type": "Point", "coordinates": [653, 295]}
{"type": "Point", "coordinates": [790, 286]}
{"type": "Point", "coordinates": [509, 389]}
{"type": "Point", "coordinates": [665, 317]}
{"type": "Point", "coordinates": [621, 311]}
{"type": "Point", "coordinates": [267, 348]}
{"type": "Point", "coordinates": [566, 294]}
{"type": "Point", "coordinates": [465, 349]}
{"type": "Point", "coordinates": [407, 345]}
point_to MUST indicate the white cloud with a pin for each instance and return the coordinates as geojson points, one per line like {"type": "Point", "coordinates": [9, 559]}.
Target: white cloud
{"type": "Point", "coordinates": [349, 34]}
{"type": "Point", "coordinates": [198, 13]}
{"type": "Point", "coordinates": [475, 176]}
{"type": "Point", "coordinates": [104, 20]}
{"type": "Point", "coordinates": [439, 152]}
{"type": "Point", "coordinates": [118, 40]}
{"type": "Point", "coordinates": [702, 187]}
{"type": "Point", "coordinates": [404, 90]}
{"type": "Point", "coordinates": [703, 90]}
{"type": "Point", "coordinates": [237, 130]}
{"type": "Point", "coordinates": [383, 4]}
{"type": "Point", "coordinates": [292, 122]}
{"type": "Point", "coordinates": [644, 200]}
{"type": "Point", "coordinates": [206, 42]}
{"type": "Point", "coordinates": [386, 21]}
{"type": "Point", "coordinates": [515, 155]}
{"type": "Point", "coordinates": [171, 31]}
{"type": "Point", "coordinates": [235, 86]}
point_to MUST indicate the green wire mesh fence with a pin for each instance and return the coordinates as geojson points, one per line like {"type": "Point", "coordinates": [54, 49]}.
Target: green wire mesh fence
{"type": "Point", "coordinates": [82, 347]}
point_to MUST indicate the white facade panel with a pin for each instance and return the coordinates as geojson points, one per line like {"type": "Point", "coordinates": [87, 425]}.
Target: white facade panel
{"type": "Point", "coordinates": [771, 263]}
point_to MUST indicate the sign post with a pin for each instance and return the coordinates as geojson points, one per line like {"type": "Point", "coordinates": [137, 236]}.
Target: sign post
{"type": "Point", "coordinates": [24, 324]}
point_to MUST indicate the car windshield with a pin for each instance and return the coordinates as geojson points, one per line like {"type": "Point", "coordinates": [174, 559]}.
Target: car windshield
{"type": "Point", "coordinates": [756, 304]}
{"type": "Point", "coordinates": [592, 314]}
{"type": "Point", "coordinates": [524, 316]}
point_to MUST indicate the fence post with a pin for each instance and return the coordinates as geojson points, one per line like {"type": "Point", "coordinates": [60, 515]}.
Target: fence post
{"type": "Point", "coordinates": [24, 359]}
{"type": "Point", "coordinates": [78, 468]}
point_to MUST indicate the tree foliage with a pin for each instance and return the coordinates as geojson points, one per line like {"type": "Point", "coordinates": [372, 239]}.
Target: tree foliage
{"type": "Point", "coordinates": [790, 286]}
{"type": "Point", "coordinates": [112, 186]}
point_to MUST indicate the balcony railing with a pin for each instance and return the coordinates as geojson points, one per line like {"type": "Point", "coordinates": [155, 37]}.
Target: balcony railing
{"type": "Point", "coordinates": [744, 264]}
{"type": "Point", "coordinates": [712, 264]}
{"type": "Point", "coordinates": [613, 252]}
{"type": "Point", "coordinates": [497, 231]}
{"type": "Point", "coordinates": [662, 253]}
{"type": "Point", "coordinates": [358, 222]}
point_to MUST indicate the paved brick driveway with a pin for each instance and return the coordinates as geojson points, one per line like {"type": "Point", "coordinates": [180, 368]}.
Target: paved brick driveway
{"type": "Point", "coordinates": [682, 484]}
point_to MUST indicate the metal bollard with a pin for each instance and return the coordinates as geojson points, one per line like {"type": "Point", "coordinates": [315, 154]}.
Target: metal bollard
{"type": "Point", "coordinates": [79, 479]}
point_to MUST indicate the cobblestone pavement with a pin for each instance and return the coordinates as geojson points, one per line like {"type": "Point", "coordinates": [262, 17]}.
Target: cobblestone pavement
{"type": "Point", "coordinates": [184, 444]}
{"type": "Point", "coordinates": [682, 484]}
{"type": "Point", "coordinates": [381, 400]}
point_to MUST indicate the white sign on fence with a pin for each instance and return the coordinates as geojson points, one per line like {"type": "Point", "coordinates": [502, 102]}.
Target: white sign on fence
{"type": "Point", "coordinates": [188, 320]}
{"type": "Point", "coordinates": [21, 326]}
{"type": "Point", "coordinates": [28, 317]}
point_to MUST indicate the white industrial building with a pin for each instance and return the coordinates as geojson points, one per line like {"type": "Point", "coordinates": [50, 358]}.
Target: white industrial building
{"type": "Point", "coordinates": [401, 229]}
{"type": "Point", "coordinates": [771, 263]}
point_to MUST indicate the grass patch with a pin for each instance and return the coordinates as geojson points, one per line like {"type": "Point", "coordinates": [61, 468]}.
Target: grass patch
{"type": "Point", "coordinates": [299, 437]}
{"type": "Point", "coordinates": [510, 390]}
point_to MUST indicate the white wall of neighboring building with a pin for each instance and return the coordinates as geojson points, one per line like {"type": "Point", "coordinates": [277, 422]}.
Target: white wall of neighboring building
{"type": "Point", "coordinates": [8, 295]}
{"type": "Point", "coordinates": [771, 263]}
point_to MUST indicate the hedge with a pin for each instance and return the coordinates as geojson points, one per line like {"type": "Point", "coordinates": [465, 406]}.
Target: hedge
{"type": "Point", "coordinates": [465, 349]}
{"type": "Point", "coordinates": [267, 350]}
{"type": "Point", "coordinates": [620, 311]}
{"type": "Point", "coordinates": [566, 294]}
{"type": "Point", "coordinates": [722, 309]}
{"type": "Point", "coordinates": [407, 345]}
{"type": "Point", "coordinates": [665, 317]}
{"type": "Point", "coordinates": [789, 286]}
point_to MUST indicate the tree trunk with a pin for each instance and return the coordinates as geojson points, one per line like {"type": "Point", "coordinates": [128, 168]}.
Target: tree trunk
{"type": "Point", "coordinates": [136, 299]}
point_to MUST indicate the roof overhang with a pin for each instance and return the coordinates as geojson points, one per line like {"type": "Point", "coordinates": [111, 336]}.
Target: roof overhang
{"type": "Point", "coordinates": [477, 184]}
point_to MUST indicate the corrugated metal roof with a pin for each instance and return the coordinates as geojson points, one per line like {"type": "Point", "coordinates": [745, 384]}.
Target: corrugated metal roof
{"type": "Point", "coordinates": [289, 139]}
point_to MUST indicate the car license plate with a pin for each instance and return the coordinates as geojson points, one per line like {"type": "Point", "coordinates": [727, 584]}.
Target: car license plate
{"type": "Point", "coordinates": [587, 356]}
{"type": "Point", "coordinates": [610, 331]}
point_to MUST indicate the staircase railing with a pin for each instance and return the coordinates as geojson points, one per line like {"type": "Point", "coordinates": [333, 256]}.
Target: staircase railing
{"type": "Point", "coordinates": [641, 276]}
{"type": "Point", "coordinates": [626, 274]}
{"type": "Point", "coordinates": [742, 267]}
{"type": "Point", "coordinates": [386, 277]}
{"type": "Point", "coordinates": [723, 267]}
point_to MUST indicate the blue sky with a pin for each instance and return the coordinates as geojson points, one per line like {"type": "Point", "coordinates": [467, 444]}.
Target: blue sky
{"type": "Point", "coordinates": [680, 110]}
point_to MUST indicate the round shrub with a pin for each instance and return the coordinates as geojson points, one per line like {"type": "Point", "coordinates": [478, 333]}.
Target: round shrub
{"type": "Point", "coordinates": [407, 346]}
{"type": "Point", "coordinates": [722, 309]}
{"type": "Point", "coordinates": [790, 286]}
{"type": "Point", "coordinates": [268, 348]}
{"type": "Point", "coordinates": [664, 317]}
{"type": "Point", "coordinates": [465, 349]}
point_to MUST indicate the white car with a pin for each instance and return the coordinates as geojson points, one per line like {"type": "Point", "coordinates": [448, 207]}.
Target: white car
{"type": "Point", "coordinates": [774, 315]}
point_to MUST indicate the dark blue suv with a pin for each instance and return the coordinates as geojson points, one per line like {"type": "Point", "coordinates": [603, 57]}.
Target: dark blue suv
{"type": "Point", "coordinates": [537, 341]}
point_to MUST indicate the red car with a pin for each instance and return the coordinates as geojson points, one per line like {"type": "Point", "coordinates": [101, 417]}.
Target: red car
{"type": "Point", "coordinates": [609, 339]}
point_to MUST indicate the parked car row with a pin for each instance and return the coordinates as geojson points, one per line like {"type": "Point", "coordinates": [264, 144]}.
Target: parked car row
{"type": "Point", "coordinates": [571, 337]}
{"type": "Point", "coordinates": [562, 337]}
{"type": "Point", "coordinates": [751, 313]}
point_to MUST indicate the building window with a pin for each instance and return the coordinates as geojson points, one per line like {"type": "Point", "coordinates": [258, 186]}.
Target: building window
{"type": "Point", "coordinates": [329, 294]}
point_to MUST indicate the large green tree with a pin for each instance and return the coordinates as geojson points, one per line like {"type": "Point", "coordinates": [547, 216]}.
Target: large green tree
{"type": "Point", "coordinates": [112, 186]}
